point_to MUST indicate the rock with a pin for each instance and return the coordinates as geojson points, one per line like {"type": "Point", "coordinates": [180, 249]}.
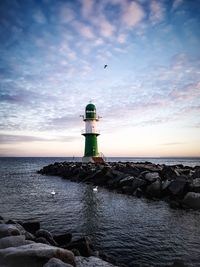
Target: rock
{"type": "Point", "coordinates": [62, 239]}
{"type": "Point", "coordinates": [42, 240]}
{"type": "Point", "coordinates": [169, 173]}
{"type": "Point", "coordinates": [1, 218]}
{"type": "Point", "coordinates": [127, 190]}
{"type": "Point", "coordinates": [138, 192]}
{"type": "Point", "coordinates": [54, 262]}
{"type": "Point", "coordinates": [31, 227]}
{"type": "Point", "coordinates": [91, 262]}
{"type": "Point", "coordinates": [154, 189]}
{"type": "Point", "coordinates": [195, 185]}
{"type": "Point", "coordinates": [196, 173]}
{"type": "Point", "coordinates": [47, 235]}
{"type": "Point", "coordinates": [13, 241]}
{"type": "Point", "coordinates": [127, 181]}
{"type": "Point", "coordinates": [33, 255]}
{"type": "Point", "coordinates": [192, 200]}
{"type": "Point", "coordinates": [82, 245]}
{"type": "Point", "coordinates": [137, 182]}
{"type": "Point", "coordinates": [8, 230]}
{"type": "Point", "coordinates": [151, 176]}
{"type": "Point", "coordinates": [177, 188]}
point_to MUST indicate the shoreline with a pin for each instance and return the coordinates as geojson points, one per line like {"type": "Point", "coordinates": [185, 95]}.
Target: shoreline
{"type": "Point", "coordinates": [176, 184]}
{"type": "Point", "coordinates": [26, 244]}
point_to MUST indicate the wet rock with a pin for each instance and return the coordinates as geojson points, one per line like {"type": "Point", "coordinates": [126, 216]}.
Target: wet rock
{"type": "Point", "coordinates": [42, 240]}
{"type": "Point", "coordinates": [54, 262]}
{"type": "Point", "coordinates": [151, 176]}
{"type": "Point", "coordinates": [62, 239]}
{"type": "Point", "coordinates": [83, 245]}
{"type": "Point", "coordinates": [31, 227]}
{"type": "Point", "coordinates": [1, 218]}
{"type": "Point", "coordinates": [169, 173]}
{"type": "Point", "coordinates": [13, 241]}
{"type": "Point", "coordinates": [196, 173]}
{"type": "Point", "coordinates": [177, 188]}
{"type": "Point", "coordinates": [33, 255]}
{"type": "Point", "coordinates": [154, 189]}
{"type": "Point", "coordinates": [127, 190]}
{"type": "Point", "coordinates": [8, 230]}
{"type": "Point", "coordinates": [195, 185]}
{"type": "Point", "coordinates": [91, 262]}
{"type": "Point", "coordinates": [192, 200]}
{"type": "Point", "coordinates": [47, 235]}
{"type": "Point", "coordinates": [138, 192]}
{"type": "Point", "coordinates": [137, 182]}
{"type": "Point", "coordinates": [127, 181]}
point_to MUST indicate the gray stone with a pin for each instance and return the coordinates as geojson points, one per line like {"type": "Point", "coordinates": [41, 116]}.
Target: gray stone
{"type": "Point", "coordinates": [127, 181]}
{"type": "Point", "coordinates": [33, 255]}
{"type": "Point", "coordinates": [177, 187]}
{"type": "Point", "coordinates": [192, 200]}
{"type": "Point", "coordinates": [195, 185]}
{"type": "Point", "coordinates": [154, 189]}
{"type": "Point", "coordinates": [13, 241]}
{"type": "Point", "coordinates": [55, 262]}
{"type": "Point", "coordinates": [47, 235]}
{"type": "Point", "coordinates": [137, 182]}
{"type": "Point", "coordinates": [8, 230]}
{"type": "Point", "coordinates": [151, 176]}
{"type": "Point", "coordinates": [91, 262]}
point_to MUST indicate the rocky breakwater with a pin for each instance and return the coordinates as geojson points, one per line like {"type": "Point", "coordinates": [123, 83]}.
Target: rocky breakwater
{"type": "Point", "coordinates": [179, 185]}
{"type": "Point", "coordinates": [25, 244]}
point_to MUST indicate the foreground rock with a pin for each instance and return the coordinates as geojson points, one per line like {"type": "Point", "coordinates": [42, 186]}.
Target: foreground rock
{"type": "Point", "coordinates": [20, 248]}
{"type": "Point", "coordinates": [91, 262]}
{"type": "Point", "coordinates": [170, 183]}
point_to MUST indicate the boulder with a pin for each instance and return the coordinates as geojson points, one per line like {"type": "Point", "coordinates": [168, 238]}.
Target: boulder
{"type": "Point", "coordinates": [195, 185]}
{"type": "Point", "coordinates": [91, 262]}
{"type": "Point", "coordinates": [83, 245]}
{"type": "Point", "coordinates": [192, 200]}
{"type": "Point", "coordinates": [62, 239]}
{"type": "Point", "coordinates": [151, 176]}
{"type": "Point", "coordinates": [31, 227]}
{"type": "Point", "coordinates": [47, 235]}
{"type": "Point", "coordinates": [8, 230]}
{"type": "Point", "coordinates": [42, 240]}
{"type": "Point", "coordinates": [54, 262]}
{"type": "Point", "coordinates": [127, 190]}
{"type": "Point", "coordinates": [196, 173]}
{"type": "Point", "coordinates": [168, 172]}
{"type": "Point", "coordinates": [154, 189]}
{"type": "Point", "coordinates": [177, 188]}
{"type": "Point", "coordinates": [13, 241]}
{"type": "Point", "coordinates": [127, 181]}
{"type": "Point", "coordinates": [137, 182]}
{"type": "Point", "coordinates": [33, 255]}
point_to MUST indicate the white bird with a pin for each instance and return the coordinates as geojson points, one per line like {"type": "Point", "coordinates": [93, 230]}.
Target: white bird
{"type": "Point", "coordinates": [53, 193]}
{"type": "Point", "coordinates": [95, 189]}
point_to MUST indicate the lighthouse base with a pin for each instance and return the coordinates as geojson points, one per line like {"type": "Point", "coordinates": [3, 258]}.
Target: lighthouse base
{"type": "Point", "coordinates": [93, 159]}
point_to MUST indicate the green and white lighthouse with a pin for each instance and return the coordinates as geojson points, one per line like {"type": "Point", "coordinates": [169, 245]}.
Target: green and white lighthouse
{"type": "Point", "coordinates": [91, 133]}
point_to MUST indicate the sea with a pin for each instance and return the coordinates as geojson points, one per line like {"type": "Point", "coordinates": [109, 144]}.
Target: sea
{"type": "Point", "coordinates": [134, 231]}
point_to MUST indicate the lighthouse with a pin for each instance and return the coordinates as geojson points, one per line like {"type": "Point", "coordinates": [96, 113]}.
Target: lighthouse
{"type": "Point", "coordinates": [91, 133]}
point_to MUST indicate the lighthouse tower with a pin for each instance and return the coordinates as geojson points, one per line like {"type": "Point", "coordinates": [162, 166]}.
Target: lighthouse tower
{"type": "Point", "coordinates": [90, 132]}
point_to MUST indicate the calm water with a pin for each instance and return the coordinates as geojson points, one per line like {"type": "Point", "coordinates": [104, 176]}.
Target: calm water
{"type": "Point", "coordinates": [135, 231]}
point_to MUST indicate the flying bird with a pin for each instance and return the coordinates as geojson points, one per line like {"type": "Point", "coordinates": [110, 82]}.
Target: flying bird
{"type": "Point", "coordinates": [105, 66]}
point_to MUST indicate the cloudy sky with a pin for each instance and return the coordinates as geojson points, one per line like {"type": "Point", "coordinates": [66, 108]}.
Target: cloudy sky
{"type": "Point", "coordinates": [52, 54]}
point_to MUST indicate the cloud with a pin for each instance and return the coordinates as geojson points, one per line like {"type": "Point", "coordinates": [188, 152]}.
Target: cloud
{"type": "Point", "coordinates": [87, 7]}
{"type": "Point", "coordinates": [66, 13]}
{"type": "Point", "coordinates": [13, 138]}
{"type": "Point", "coordinates": [133, 14]}
{"type": "Point", "coordinates": [176, 4]}
{"type": "Point", "coordinates": [156, 11]}
{"type": "Point", "coordinates": [84, 30]}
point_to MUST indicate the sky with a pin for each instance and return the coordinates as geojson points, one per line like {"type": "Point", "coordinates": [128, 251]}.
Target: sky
{"type": "Point", "coordinates": [52, 57]}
